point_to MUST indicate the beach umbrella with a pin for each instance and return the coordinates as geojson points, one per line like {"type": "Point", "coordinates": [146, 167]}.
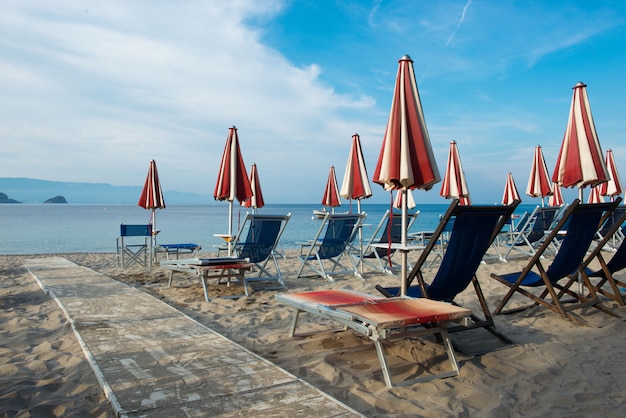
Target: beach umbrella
{"type": "Point", "coordinates": [356, 184]}
{"type": "Point", "coordinates": [510, 191]}
{"type": "Point", "coordinates": [580, 161]}
{"type": "Point", "coordinates": [397, 202]}
{"type": "Point", "coordinates": [454, 182]}
{"type": "Point", "coordinates": [152, 196]}
{"type": "Point", "coordinates": [539, 179]}
{"type": "Point", "coordinates": [595, 196]}
{"type": "Point", "coordinates": [613, 187]}
{"type": "Point", "coordinates": [331, 196]}
{"type": "Point", "coordinates": [556, 198]}
{"type": "Point", "coordinates": [406, 161]}
{"type": "Point", "coordinates": [232, 179]}
{"type": "Point", "coordinates": [256, 201]}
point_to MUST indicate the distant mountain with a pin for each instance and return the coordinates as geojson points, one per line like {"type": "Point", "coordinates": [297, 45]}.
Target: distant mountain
{"type": "Point", "coordinates": [5, 199]}
{"type": "Point", "coordinates": [37, 191]}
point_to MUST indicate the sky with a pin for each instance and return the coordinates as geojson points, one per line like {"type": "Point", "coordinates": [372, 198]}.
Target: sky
{"type": "Point", "coordinates": [92, 91]}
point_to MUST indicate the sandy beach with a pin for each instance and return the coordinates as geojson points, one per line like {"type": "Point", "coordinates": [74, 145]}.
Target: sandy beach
{"type": "Point", "coordinates": [555, 368]}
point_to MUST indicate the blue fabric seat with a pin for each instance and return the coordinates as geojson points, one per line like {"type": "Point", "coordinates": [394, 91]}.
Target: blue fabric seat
{"type": "Point", "coordinates": [474, 229]}
{"type": "Point", "coordinates": [583, 222]}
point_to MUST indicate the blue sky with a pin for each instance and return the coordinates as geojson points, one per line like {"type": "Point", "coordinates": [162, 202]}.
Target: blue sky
{"type": "Point", "coordinates": [91, 90]}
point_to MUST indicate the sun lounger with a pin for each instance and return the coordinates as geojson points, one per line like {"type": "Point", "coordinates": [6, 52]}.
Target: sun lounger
{"type": "Point", "coordinates": [223, 268]}
{"type": "Point", "coordinates": [380, 320]}
{"type": "Point", "coordinates": [177, 249]}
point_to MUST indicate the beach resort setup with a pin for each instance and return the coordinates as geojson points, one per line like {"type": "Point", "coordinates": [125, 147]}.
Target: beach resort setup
{"type": "Point", "coordinates": [504, 309]}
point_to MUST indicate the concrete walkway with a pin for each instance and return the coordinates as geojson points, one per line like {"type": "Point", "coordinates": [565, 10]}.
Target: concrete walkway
{"type": "Point", "coordinates": [153, 360]}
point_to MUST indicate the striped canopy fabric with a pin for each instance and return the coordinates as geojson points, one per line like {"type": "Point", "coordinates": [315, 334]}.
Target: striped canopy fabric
{"type": "Point", "coordinates": [454, 182]}
{"type": "Point", "coordinates": [580, 161]}
{"type": "Point", "coordinates": [539, 179]}
{"type": "Point", "coordinates": [256, 201]}
{"type": "Point", "coordinates": [613, 187]}
{"type": "Point", "coordinates": [595, 195]}
{"type": "Point", "coordinates": [406, 157]}
{"type": "Point", "coordinates": [510, 191]}
{"type": "Point", "coordinates": [331, 196]}
{"type": "Point", "coordinates": [152, 195]}
{"type": "Point", "coordinates": [410, 202]}
{"type": "Point", "coordinates": [556, 198]}
{"type": "Point", "coordinates": [232, 179]}
{"type": "Point", "coordinates": [356, 184]}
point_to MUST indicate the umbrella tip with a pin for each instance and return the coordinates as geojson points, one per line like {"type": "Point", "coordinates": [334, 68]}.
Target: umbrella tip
{"type": "Point", "coordinates": [580, 84]}
{"type": "Point", "coordinates": [406, 57]}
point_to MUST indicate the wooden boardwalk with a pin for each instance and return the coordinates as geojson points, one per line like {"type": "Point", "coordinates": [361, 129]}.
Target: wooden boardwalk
{"type": "Point", "coordinates": [153, 360]}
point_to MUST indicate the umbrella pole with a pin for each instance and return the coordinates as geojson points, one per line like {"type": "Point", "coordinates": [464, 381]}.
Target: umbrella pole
{"type": "Point", "coordinates": [403, 245]}
{"type": "Point", "coordinates": [230, 225]}
{"type": "Point", "coordinates": [360, 237]}
{"type": "Point", "coordinates": [580, 194]}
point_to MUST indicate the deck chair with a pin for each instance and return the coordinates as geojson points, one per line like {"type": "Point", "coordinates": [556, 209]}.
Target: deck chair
{"type": "Point", "coordinates": [617, 234]}
{"type": "Point", "coordinates": [531, 233]}
{"type": "Point", "coordinates": [388, 230]}
{"type": "Point", "coordinates": [474, 230]}
{"type": "Point", "coordinates": [381, 320]}
{"type": "Point", "coordinates": [332, 244]}
{"type": "Point", "coordinates": [134, 245]}
{"type": "Point", "coordinates": [615, 264]}
{"type": "Point", "coordinates": [583, 222]}
{"type": "Point", "coordinates": [262, 234]}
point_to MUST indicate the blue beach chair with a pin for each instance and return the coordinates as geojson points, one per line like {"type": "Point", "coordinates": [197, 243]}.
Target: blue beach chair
{"type": "Point", "coordinates": [583, 222]}
{"type": "Point", "coordinates": [531, 232]}
{"type": "Point", "coordinates": [474, 229]}
{"type": "Point", "coordinates": [332, 244]}
{"type": "Point", "coordinates": [134, 245]}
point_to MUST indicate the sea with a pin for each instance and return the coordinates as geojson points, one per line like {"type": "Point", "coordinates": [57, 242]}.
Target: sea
{"type": "Point", "coordinates": [93, 228]}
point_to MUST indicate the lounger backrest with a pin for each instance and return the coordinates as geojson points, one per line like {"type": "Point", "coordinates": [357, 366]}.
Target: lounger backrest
{"type": "Point", "coordinates": [263, 234]}
{"type": "Point", "coordinates": [614, 217]}
{"type": "Point", "coordinates": [472, 234]}
{"type": "Point", "coordinates": [339, 232]}
{"type": "Point", "coordinates": [583, 223]}
{"type": "Point", "coordinates": [542, 223]}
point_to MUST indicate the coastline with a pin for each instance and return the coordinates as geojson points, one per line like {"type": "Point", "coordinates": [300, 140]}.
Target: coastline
{"type": "Point", "coordinates": [556, 367]}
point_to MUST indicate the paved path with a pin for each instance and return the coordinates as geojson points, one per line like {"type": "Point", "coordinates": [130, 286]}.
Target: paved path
{"type": "Point", "coordinates": [153, 360]}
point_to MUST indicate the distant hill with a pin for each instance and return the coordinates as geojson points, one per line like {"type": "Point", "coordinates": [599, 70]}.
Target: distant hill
{"type": "Point", "coordinates": [38, 191]}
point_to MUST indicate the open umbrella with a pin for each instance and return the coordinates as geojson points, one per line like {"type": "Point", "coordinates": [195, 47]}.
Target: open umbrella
{"type": "Point", "coordinates": [406, 160]}
{"type": "Point", "coordinates": [454, 183]}
{"type": "Point", "coordinates": [356, 184]}
{"type": "Point", "coordinates": [539, 179]}
{"type": "Point", "coordinates": [256, 201]}
{"type": "Point", "coordinates": [152, 196]}
{"type": "Point", "coordinates": [331, 196]}
{"type": "Point", "coordinates": [232, 179]}
{"type": "Point", "coordinates": [510, 191]}
{"type": "Point", "coordinates": [580, 161]}
{"type": "Point", "coordinates": [613, 187]}
{"type": "Point", "coordinates": [556, 198]}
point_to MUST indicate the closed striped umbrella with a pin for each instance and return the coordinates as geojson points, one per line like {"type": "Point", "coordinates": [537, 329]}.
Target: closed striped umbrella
{"type": "Point", "coordinates": [580, 161]}
{"type": "Point", "coordinates": [613, 187]}
{"type": "Point", "coordinates": [232, 178]}
{"type": "Point", "coordinates": [356, 184]}
{"type": "Point", "coordinates": [556, 198]}
{"type": "Point", "coordinates": [256, 201]}
{"type": "Point", "coordinates": [152, 195]}
{"type": "Point", "coordinates": [331, 196]}
{"type": "Point", "coordinates": [454, 182]}
{"type": "Point", "coordinates": [406, 160]}
{"type": "Point", "coordinates": [510, 191]}
{"type": "Point", "coordinates": [539, 179]}
{"type": "Point", "coordinates": [595, 195]}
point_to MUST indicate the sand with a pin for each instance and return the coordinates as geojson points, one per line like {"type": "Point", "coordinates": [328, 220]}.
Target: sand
{"type": "Point", "coordinates": [555, 368]}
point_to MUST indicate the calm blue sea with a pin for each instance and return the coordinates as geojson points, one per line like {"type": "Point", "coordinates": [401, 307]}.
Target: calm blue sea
{"type": "Point", "coordinates": [49, 228]}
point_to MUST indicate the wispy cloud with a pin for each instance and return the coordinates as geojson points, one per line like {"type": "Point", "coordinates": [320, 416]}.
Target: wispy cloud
{"type": "Point", "coordinates": [460, 22]}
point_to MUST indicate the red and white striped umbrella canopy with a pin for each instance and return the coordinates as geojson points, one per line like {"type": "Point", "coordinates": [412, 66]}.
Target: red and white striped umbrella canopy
{"type": "Point", "coordinates": [152, 195]}
{"type": "Point", "coordinates": [232, 178]}
{"type": "Point", "coordinates": [410, 202]}
{"type": "Point", "coordinates": [331, 196]}
{"type": "Point", "coordinates": [510, 191]}
{"type": "Point", "coordinates": [595, 196]}
{"type": "Point", "coordinates": [256, 201]}
{"type": "Point", "coordinates": [356, 184]}
{"type": "Point", "coordinates": [454, 182]}
{"type": "Point", "coordinates": [539, 179]}
{"type": "Point", "coordinates": [406, 157]}
{"type": "Point", "coordinates": [580, 161]}
{"type": "Point", "coordinates": [613, 187]}
{"type": "Point", "coordinates": [556, 198]}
